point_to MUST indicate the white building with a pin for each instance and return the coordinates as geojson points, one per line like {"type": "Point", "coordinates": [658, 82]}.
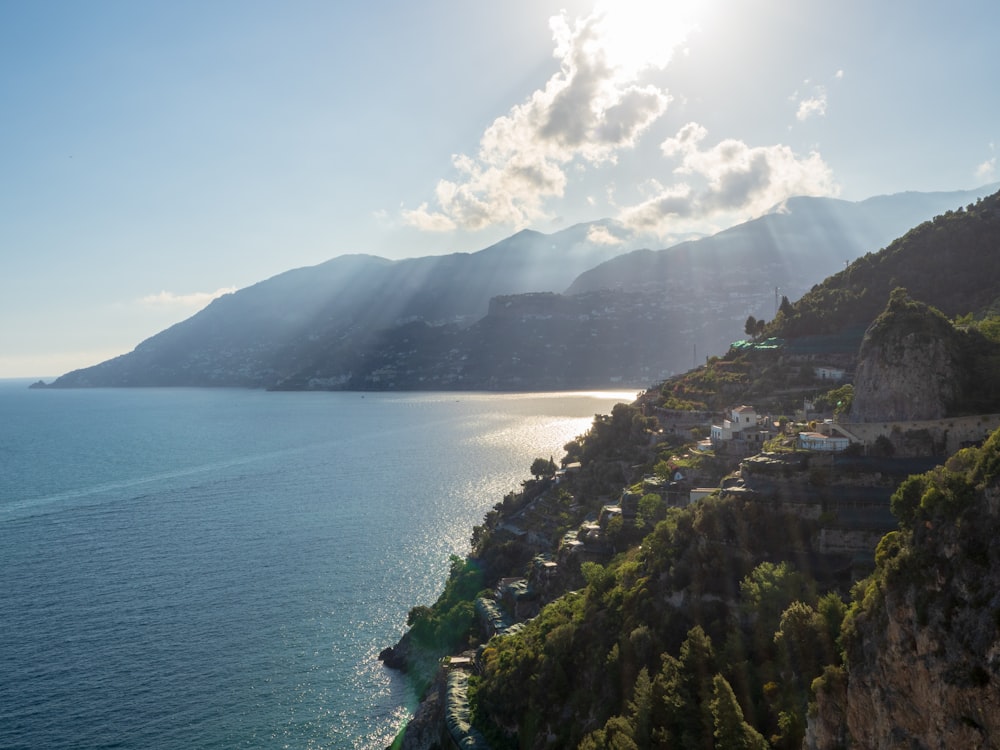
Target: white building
{"type": "Point", "coordinates": [741, 418]}
{"type": "Point", "coordinates": [817, 441]}
{"type": "Point", "coordinates": [744, 432]}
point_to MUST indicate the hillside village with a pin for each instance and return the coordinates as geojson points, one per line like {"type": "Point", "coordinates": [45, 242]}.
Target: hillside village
{"type": "Point", "coordinates": [840, 471]}
{"type": "Point", "coordinates": [837, 476]}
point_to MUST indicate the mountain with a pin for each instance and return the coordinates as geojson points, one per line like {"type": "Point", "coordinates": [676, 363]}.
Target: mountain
{"type": "Point", "coordinates": [258, 336]}
{"type": "Point", "coordinates": [632, 320]}
{"type": "Point", "coordinates": [813, 599]}
{"type": "Point", "coordinates": [802, 240]}
{"type": "Point", "coordinates": [949, 262]}
{"type": "Point", "coordinates": [887, 322]}
{"type": "Point", "coordinates": [493, 320]}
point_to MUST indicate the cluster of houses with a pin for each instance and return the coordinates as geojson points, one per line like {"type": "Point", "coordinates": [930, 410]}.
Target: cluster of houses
{"type": "Point", "coordinates": [745, 432]}
{"type": "Point", "coordinates": [742, 433]}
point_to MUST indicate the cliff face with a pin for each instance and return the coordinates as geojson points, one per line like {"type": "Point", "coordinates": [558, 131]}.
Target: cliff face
{"type": "Point", "coordinates": [923, 647]}
{"type": "Point", "coordinates": [908, 365]}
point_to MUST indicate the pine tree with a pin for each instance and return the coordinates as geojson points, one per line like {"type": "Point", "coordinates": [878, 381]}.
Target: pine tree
{"type": "Point", "coordinates": [732, 732]}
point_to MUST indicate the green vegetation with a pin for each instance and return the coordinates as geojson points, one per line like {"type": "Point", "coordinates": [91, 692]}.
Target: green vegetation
{"type": "Point", "coordinates": [956, 281]}
{"type": "Point", "coordinates": [652, 509]}
{"type": "Point", "coordinates": [694, 639]}
{"type": "Point", "coordinates": [720, 625]}
{"type": "Point", "coordinates": [625, 647]}
{"type": "Point", "coordinates": [542, 467]}
{"type": "Point", "coordinates": [838, 401]}
{"type": "Point", "coordinates": [939, 562]}
{"type": "Point", "coordinates": [446, 626]}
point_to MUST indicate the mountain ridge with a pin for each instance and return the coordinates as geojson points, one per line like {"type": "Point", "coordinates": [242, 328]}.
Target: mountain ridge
{"type": "Point", "coordinates": [619, 607]}
{"type": "Point", "coordinates": [346, 323]}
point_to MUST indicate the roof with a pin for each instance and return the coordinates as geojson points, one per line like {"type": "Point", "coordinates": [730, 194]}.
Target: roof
{"type": "Point", "coordinates": [820, 436]}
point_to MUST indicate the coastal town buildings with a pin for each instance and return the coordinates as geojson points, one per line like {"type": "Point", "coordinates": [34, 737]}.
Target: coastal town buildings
{"type": "Point", "coordinates": [743, 433]}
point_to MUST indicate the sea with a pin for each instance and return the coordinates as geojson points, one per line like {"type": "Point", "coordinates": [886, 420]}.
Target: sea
{"type": "Point", "coordinates": [219, 568]}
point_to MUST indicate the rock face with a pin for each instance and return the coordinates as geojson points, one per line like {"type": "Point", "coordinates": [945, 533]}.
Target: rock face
{"type": "Point", "coordinates": [908, 365]}
{"type": "Point", "coordinates": [923, 650]}
{"type": "Point", "coordinates": [930, 675]}
{"type": "Point", "coordinates": [424, 730]}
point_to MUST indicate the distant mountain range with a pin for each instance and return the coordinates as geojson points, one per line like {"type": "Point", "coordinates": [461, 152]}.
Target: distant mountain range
{"type": "Point", "coordinates": [495, 319]}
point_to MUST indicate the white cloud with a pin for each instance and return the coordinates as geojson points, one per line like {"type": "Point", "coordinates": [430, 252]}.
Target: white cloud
{"type": "Point", "coordinates": [735, 182]}
{"type": "Point", "coordinates": [193, 300]}
{"type": "Point", "coordinates": [601, 235]}
{"type": "Point", "coordinates": [987, 170]}
{"type": "Point", "coordinates": [812, 106]}
{"type": "Point", "coordinates": [590, 110]}
{"type": "Point", "coordinates": [427, 221]}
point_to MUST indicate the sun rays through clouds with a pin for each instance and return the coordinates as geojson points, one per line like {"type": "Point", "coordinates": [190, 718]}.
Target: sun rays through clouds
{"type": "Point", "coordinates": [601, 103]}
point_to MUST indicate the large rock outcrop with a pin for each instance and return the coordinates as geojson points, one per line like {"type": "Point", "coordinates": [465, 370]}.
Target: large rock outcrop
{"type": "Point", "coordinates": [923, 648]}
{"type": "Point", "coordinates": [908, 366]}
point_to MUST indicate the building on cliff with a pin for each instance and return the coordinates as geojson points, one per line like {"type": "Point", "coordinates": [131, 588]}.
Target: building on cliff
{"type": "Point", "coordinates": [817, 441]}
{"type": "Point", "coordinates": [742, 434]}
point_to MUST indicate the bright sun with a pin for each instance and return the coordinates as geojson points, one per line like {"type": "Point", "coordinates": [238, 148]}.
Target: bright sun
{"type": "Point", "coordinates": [638, 34]}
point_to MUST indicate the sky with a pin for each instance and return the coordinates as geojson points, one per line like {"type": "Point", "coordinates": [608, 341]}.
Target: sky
{"type": "Point", "coordinates": [155, 155]}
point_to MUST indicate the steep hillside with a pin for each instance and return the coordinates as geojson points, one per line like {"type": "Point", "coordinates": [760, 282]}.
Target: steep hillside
{"type": "Point", "coordinates": [922, 638]}
{"type": "Point", "coordinates": [732, 621]}
{"type": "Point", "coordinates": [951, 263]}
{"type": "Point", "coordinates": [650, 325]}
{"type": "Point", "coordinates": [263, 334]}
{"type": "Point", "coordinates": [361, 322]}
{"type": "Point", "coordinates": [802, 240]}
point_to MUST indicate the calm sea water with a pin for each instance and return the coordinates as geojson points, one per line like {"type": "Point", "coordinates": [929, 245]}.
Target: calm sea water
{"type": "Point", "coordinates": [219, 568]}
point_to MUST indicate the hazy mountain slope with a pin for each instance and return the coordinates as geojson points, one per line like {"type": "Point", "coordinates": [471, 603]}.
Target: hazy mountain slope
{"type": "Point", "coordinates": [641, 334]}
{"type": "Point", "coordinates": [951, 263]}
{"type": "Point", "coordinates": [347, 323]}
{"type": "Point", "coordinates": [262, 334]}
{"type": "Point", "coordinates": [801, 241]}
{"type": "Point", "coordinates": [241, 339]}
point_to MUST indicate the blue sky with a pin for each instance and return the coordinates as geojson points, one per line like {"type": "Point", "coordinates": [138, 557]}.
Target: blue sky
{"type": "Point", "coordinates": [155, 154]}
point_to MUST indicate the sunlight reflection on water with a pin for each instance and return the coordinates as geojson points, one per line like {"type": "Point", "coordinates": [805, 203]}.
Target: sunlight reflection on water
{"type": "Point", "coordinates": [228, 573]}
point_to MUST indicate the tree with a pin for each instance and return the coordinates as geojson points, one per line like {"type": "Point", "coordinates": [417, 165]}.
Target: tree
{"type": "Point", "coordinates": [785, 307]}
{"type": "Point", "coordinates": [754, 328]}
{"type": "Point", "coordinates": [766, 592]}
{"type": "Point", "coordinates": [651, 509]}
{"type": "Point", "coordinates": [732, 732]}
{"type": "Point", "coordinates": [542, 467]}
{"type": "Point", "coordinates": [641, 708]}
{"type": "Point", "coordinates": [614, 530]}
{"type": "Point", "coordinates": [616, 735]}
{"type": "Point", "coordinates": [803, 644]}
{"type": "Point", "coordinates": [698, 668]}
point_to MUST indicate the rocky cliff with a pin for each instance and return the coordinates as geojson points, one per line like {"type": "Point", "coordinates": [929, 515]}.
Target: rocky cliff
{"type": "Point", "coordinates": [923, 644]}
{"type": "Point", "coordinates": [908, 366]}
